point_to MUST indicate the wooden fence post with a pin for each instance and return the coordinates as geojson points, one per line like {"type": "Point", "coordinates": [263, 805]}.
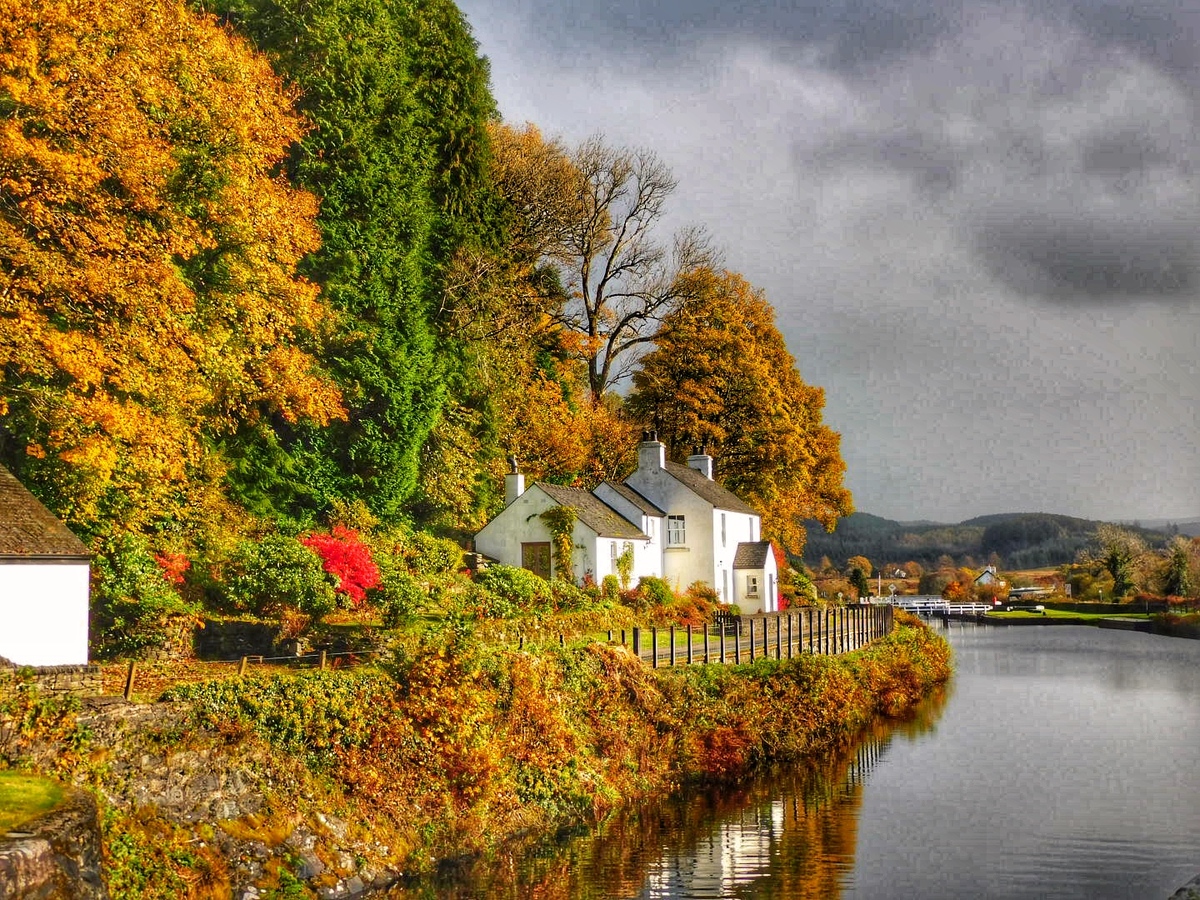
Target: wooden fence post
{"type": "Point", "coordinates": [722, 645]}
{"type": "Point", "coordinates": [778, 637]}
{"type": "Point", "coordinates": [129, 676]}
{"type": "Point", "coordinates": [706, 657]}
{"type": "Point", "coordinates": [242, 666]}
{"type": "Point", "coordinates": [637, 642]}
{"type": "Point", "coordinates": [789, 635]}
{"type": "Point", "coordinates": [323, 660]}
{"type": "Point", "coordinates": [737, 645]}
{"type": "Point", "coordinates": [672, 646]}
{"type": "Point", "coordinates": [690, 660]}
{"type": "Point", "coordinates": [752, 648]}
{"type": "Point", "coordinates": [654, 645]}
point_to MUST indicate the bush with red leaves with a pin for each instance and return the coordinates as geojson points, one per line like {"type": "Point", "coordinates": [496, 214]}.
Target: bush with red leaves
{"type": "Point", "coordinates": [347, 559]}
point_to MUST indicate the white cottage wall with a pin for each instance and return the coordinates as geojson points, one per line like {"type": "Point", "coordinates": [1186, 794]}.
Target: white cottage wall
{"type": "Point", "coordinates": [694, 561]}
{"type": "Point", "coordinates": [728, 530]}
{"type": "Point", "coordinates": [502, 537]}
{"type": "Point", "coordinates": [44, 612]}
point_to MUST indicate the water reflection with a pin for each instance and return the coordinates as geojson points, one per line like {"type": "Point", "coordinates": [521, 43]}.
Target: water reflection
{"type": "Point", "coordinates": [789, 833]}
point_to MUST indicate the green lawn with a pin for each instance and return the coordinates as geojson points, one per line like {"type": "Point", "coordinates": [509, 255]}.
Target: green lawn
{"type": "Point", "coordinates": [1063, 614]}
{"type": "Point", "coordinates": [22, 797]}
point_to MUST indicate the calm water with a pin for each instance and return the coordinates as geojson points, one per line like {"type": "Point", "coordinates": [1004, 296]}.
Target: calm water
{"type": "Point", "coordinates": [1062, 762]}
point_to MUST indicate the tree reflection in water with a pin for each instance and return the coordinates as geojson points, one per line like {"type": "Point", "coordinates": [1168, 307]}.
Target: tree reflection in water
{"type": "Point", "coordinates": [787, 833]}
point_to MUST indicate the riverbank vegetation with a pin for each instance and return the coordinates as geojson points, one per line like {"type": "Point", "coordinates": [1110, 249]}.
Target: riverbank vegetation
{"type": "Point", "coordinates": [455, 745]}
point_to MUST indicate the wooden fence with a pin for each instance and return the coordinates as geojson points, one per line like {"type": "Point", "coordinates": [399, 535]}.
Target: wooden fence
{"type": "Point", "coordinates": [733, 640]}
{"type": "Point", "coordinates": [838, 629]}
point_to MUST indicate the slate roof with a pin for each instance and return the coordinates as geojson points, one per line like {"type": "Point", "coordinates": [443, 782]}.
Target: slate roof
{"type": "Point", "coordinates": [636, 499]}
{"type": "Point", "coordinates": [751, 554]}
{"type": "Point", "coordinates": [708, 490]}
{"type": "Point", "coordinates": [27, 528]}
{"type": "Point", "coordinates": [594, 512]}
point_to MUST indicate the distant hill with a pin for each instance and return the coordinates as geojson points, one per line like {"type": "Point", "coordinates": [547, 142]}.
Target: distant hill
{"type": "Point", "coordinates": [1020, 540]}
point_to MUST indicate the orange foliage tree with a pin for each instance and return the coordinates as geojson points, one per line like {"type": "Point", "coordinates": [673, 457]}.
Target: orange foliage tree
{"type": "Point", "coordinates": [149, 302]}
{"type": "Point", "coordinates": [721, 378]}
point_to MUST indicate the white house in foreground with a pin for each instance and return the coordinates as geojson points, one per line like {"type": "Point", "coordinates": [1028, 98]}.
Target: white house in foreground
{"type": "Point", "coordinates": [681, 525]}
{"type": "Point", "coordinates": [44, 575]}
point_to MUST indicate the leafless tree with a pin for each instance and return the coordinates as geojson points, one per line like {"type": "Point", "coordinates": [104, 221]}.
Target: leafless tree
{"type": "Point", "coordinates": [620, 278]}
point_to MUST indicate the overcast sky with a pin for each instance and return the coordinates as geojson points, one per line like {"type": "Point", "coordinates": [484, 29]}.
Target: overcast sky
{"type": "Point", "coordinates": [979, 223]}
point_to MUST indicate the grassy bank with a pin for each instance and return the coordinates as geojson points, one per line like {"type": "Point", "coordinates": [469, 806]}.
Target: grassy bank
{"type": "Point", "coordinates": [24, 797]}
{"type": "Point", "coordinates": [458, 746]}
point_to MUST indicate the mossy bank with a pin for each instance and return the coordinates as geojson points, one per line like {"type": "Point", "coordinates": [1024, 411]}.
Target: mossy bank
{"type": "Point", "coordinates": [328, 783]}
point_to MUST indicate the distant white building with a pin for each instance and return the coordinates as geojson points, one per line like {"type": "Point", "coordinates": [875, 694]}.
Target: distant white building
{"type": "Point", "coordinates": [681, 525]}
{"type": "Point", "coordinates": [44, 583]}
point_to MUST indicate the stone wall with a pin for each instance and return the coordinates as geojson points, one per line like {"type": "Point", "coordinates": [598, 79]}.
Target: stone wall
{"type": "Point", "coordinates": [231, 639]}
{"type": "Point", "coordinates": [83, 681]}
{"type": "Point", "coordinates": [57, 857]}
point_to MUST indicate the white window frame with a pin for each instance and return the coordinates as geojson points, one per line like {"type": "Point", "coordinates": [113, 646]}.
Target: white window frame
{"type": "Point", "coordinates": [676, 531]}
{"type": "Point", "coordinates": [751, 585]}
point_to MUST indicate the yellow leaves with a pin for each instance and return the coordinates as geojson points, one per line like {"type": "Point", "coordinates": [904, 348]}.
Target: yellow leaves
{"type": "Point", "coordinates": [148, 294]}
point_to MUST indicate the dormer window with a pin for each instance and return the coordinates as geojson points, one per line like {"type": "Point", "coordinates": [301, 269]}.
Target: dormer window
{"type": "Point", "coordinates": [676, 532]}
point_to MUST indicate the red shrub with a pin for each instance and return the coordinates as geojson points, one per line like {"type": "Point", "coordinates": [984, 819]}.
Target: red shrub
{"type": "Point", "coordinates": [347, 559]}
{"type": "Point", "coordinates": [173, 566]}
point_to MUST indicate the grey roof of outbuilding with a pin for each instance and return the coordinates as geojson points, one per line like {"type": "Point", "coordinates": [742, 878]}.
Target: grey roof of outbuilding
{"type": "Point", "coordinates": [751, 554]}
{"type": "Point", "coordinates": [708, 489]}
{"type": "Point", "coordinates": [28, 529]}
{"type": "Point", "coordinates": [636, 499]}
{"type": "Point", "coordinates": [593, 512]}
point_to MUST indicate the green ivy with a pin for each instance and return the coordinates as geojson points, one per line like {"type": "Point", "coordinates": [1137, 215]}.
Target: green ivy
{"type": "Point", "coordinates": [560, 520]}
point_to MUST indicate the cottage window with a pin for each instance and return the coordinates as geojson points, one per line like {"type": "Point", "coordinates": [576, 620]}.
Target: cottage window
{"type": "Point", "coordinates": [722, 529]}
{"type": "Point", "coordinates": [612, 552]}
{"type": "Point", "coordinates": [751, 585]}
{"type": "Point", "coordinates": [676, 533]}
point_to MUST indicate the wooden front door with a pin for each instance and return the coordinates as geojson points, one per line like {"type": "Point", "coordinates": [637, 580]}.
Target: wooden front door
{"type": "Point", "coordinates": [535, 556]}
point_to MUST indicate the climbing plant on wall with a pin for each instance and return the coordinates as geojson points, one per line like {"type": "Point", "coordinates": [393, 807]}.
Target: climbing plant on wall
{"type": "Point", "coordinates": [560, 521]}
{"type": "Point", "coordinates": [625, 565]}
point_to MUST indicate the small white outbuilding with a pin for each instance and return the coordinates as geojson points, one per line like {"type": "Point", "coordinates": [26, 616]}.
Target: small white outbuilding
{"type": "Point", "coordinates": [45, 572]}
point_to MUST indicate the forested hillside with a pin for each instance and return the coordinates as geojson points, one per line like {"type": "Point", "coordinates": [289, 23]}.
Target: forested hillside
{"type": "Point", "coordinates": [270, 269]}
{"type": "Point", "coordinates": [1010, 540]}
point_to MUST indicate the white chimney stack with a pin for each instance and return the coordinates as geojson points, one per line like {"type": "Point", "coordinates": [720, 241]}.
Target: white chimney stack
{"type": "Point", "coordinates": [652, 454]}
{"type": "Point", "coordinates": [702, 463]}
{"type": "Point", "coordinates": [514, 481]}
{"type": "Point", "coordinates": [514, 486]}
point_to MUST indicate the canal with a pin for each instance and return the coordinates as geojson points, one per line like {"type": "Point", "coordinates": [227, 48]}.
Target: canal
{"type": "Point", "coordinates": [1061, 761]}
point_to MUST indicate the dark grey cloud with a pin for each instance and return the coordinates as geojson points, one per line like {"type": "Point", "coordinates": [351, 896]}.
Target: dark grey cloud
{"type": "Point", "coordinates": [1070, 168]}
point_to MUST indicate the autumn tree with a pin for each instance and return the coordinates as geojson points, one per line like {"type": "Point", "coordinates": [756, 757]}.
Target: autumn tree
{"type": "Point", "coordinates": [522, 385]}
{"type": "Point", "coordinates": [1119, 552]}
{"type": "Point", "coordinates": [1177, 573]}
{"type": "Point", "coordinates": [149, 300]}
{"type": "Point", "coordinates": [720, 377]}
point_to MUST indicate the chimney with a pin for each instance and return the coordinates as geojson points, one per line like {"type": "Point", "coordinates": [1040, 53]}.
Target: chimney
{"type": "Point", "coordinates": [702, 463]}
{"type": "Point", "coordinates": [651, 453]}
{"type": "Point", "coordinates": [514, 487]}
{"type": "Point", "coordinates": [514, 481]}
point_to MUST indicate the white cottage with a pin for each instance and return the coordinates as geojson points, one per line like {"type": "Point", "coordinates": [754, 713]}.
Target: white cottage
{"type": "Point", "coordinates": [44, 583]}
{"type": "Point", "coordinates": [681, 524]}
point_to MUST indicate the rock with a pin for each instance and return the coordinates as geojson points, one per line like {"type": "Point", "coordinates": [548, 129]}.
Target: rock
{"type": "Point", "coordinates": [310, 865]}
